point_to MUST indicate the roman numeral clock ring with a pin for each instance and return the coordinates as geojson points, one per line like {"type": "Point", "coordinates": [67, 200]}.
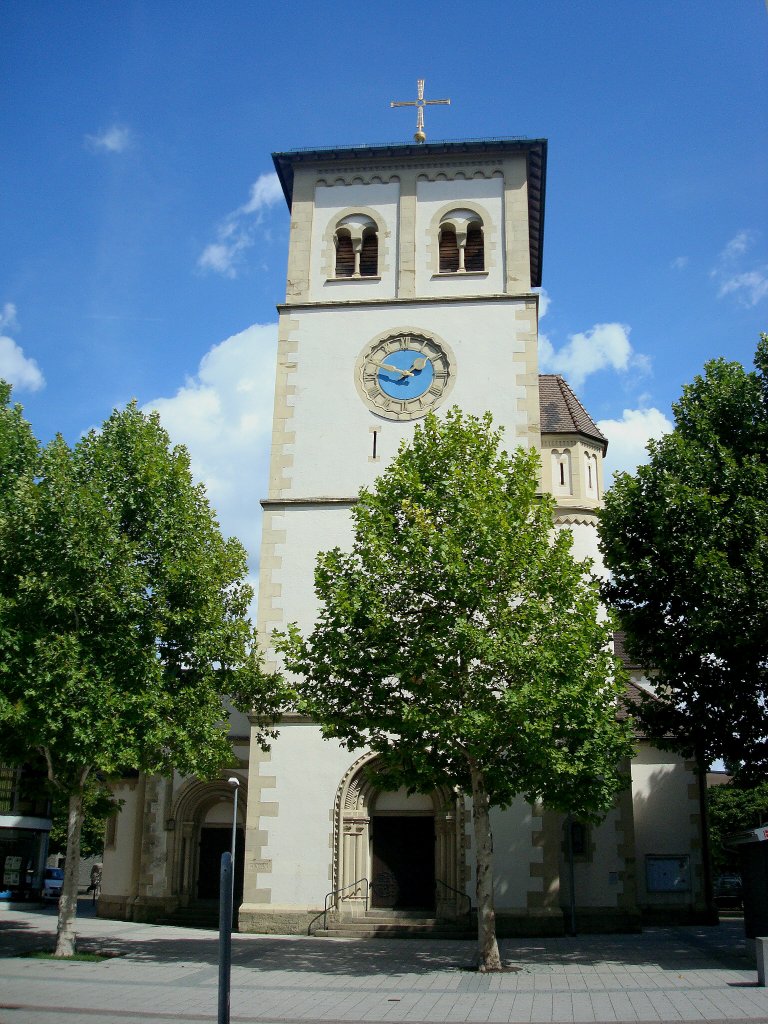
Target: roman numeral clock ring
{"type": "Point", "coordinates": [403, 376]}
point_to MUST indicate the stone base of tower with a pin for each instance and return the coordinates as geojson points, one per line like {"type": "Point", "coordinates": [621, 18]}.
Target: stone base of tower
{"type": "Point", "coordinates": [275, 920]}
{"type": "Point", "coordinates": [145, 910]}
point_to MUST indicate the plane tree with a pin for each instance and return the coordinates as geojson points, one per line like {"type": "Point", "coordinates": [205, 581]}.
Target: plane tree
{"type": "Point", "coordinates": [123, 615]}
{"type": "Point", "coordinates": [685, 538]}
{"type": "Point", "coordinates": [461, 641]}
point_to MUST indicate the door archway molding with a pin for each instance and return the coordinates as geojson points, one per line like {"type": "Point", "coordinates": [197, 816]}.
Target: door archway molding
{"type": "Point", "coordinates": [354, 806]}
{"type": "Point", "coordinates": [190, 806]}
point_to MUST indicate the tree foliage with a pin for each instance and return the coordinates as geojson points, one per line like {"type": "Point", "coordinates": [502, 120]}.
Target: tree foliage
{"type": "Point", "coordinates": [461, 641]}
{"type": "Point", "coordinates": [123, 612]}
{"type": "Point", "coordinates": [686, 541]}
{"type": "Point", "coordinates": [734, 808]}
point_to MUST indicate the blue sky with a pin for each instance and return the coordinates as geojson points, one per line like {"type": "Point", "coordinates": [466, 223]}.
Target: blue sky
{"type": "Point", "coordinates": [144, 238]}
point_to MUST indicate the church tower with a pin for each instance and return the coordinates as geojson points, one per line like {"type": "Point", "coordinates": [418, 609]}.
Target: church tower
{"type": "Point", "coordinates": [411, 272]}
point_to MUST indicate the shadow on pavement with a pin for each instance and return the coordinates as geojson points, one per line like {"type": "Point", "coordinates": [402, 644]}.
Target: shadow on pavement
{"type": "Point", "coordinates": [669, 949]}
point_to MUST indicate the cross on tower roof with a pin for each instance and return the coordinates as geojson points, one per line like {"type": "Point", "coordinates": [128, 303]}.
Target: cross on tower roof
{"type": "Point", "coordinates": [419, 103]}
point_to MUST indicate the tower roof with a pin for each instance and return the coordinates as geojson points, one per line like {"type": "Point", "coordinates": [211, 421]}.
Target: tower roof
{"type": "Point", "coordinates": [561, 411]}
{"type": "Point", "coordinates": [535, 151]}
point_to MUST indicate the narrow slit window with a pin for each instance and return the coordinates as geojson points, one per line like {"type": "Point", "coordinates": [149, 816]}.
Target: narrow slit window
{"type": "Point", "coordinates": [562, 474]}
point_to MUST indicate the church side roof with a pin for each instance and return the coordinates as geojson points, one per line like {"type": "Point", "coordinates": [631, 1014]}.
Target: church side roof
{"type": "Point", "coordinates": [535, 150]}
{"type": "Point", "coordinates": [561, 411]}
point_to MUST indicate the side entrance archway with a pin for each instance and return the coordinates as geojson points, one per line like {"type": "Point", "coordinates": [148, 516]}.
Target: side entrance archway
{"type": "Point", "coordinates": [202, 828]}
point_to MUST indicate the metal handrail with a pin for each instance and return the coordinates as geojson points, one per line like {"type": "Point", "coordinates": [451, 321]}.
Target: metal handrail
{"type": "Point", "coordinates": [458, 892]}
{"type": "Point", "coordinates": [333, 896]}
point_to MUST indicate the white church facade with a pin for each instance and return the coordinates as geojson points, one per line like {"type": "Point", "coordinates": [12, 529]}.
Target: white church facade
{"type": "Point", "coordinates": [411, 283]}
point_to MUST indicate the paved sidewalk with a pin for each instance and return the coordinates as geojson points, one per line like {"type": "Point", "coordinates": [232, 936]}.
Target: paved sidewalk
{"type": "Point", "coordinates": [170, 975]}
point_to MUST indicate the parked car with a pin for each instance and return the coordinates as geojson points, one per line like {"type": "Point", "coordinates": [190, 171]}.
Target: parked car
{"type": "Point", "coordinates": [728, 890]}
{"type": "Point", "coordinates": [53, 881]}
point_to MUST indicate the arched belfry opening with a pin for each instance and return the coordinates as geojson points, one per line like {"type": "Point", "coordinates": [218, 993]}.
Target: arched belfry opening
{"type": "Point", "coordinates": [405, 851]}
{"type": "Point", "coordinates": [202, 831]}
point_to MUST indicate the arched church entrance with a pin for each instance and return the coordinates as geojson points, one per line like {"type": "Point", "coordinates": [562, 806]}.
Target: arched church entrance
{"type": "Point", "coordinates": [202, 823]}
{"type": "Point", "coordinates": [402, 852]}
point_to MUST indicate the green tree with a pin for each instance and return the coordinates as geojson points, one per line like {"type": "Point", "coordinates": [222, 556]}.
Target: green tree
{"type": "Point", "coordinates": [98, 806]}
{"type": "Point", "coordinates": [734, 808]}
{"type": "Point", "coordinates": [686, 540]}
{"type": "Point", "coordinates": [123, 615]}
{"type": "Point", "coordinates": [461, 641]}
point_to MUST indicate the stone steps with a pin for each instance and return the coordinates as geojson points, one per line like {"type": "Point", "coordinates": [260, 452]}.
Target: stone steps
{"type": "Point", "coordinates": [396, 925]}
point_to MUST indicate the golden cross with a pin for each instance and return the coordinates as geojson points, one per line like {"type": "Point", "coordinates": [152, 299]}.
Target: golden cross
{"type": "Point", "coordinates": [419, 103]}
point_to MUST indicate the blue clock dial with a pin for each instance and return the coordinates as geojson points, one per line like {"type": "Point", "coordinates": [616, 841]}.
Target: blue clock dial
{"type": "Point", "coordinates": [406, 373]}
{"type": "Point", "coordinates": [401, 376]}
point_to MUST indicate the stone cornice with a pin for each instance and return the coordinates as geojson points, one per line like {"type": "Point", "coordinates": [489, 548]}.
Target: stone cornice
{"type": "Point", "coordinates": [323, 500]}
{"type": "Point", "coordinates": [576, 517]}
{"type": "Point", "coordinates": [524, 297]}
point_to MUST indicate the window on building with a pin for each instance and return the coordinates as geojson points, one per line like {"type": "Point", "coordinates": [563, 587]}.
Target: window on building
{"type": "Point", "coordinates": [461, 243]}
{"type": "Point", "coordinates": [561, 471]}
{"type": "Point", "coordinates": [357, 247]}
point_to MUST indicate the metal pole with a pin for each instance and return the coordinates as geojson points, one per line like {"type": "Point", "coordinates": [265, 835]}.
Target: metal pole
{"type": "Point", "coordinates": [225, 936]}
{"type": "Point", "coordinates": [571, 872]}
{"type": "Point", "coordinates": [236, 783]}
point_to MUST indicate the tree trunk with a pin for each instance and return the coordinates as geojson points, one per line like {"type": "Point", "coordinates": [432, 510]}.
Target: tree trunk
{"type": "Point", "coordinates": [65, 935]}
{"type": "Point", "coordinates": [486, 916]}
{"type": "Point", "coordinates": [711, 913]}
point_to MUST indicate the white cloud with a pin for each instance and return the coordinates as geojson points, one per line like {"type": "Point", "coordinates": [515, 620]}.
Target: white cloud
{"type": "Point", "coordinates": [748, 284]}
{"type": "Point", "coordinates": [19, 370]}
{"type": "Point", "coordinates": [628, 437]}
{"type": "Point", "coordinates": [604, 346]}
{"type": "Point", "coordinates": [738, 245]}
{"type": "Point", "coordinates": [8, 321]}
{"type": "Point", "coordinates": [237, 232]}
{"type": "Point", "coordinates": [115, 139]}
{"type": "Point", "coordinates": [224, 417]}
{"type": "Point", "coordinates": [679, 263]}
{"type": "Point", "coordinates": [750, 287]}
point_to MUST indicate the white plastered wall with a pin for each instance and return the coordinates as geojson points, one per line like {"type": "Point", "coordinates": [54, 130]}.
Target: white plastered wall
{"type": "Point", "coordinates": [514, 851]}
{"type": "Point", "coordinates": [664, 794]}
{"type": "Point", "coordinates": [308, 530]}
{"type": "Point", "coordinates": [331, 423]}
{"type": "Point", "coordinates": [300, 836]}
{"type": "Point", "coordinates": [118, 863]}
{"type": "Point", "coordinates": [597, 876]}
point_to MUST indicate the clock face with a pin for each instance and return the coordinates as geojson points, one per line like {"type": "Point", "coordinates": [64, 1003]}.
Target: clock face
{"type": "Point", "coordinates": [403, 376]}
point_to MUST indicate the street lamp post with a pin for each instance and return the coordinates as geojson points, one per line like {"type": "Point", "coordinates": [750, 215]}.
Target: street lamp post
{"type": "Point", "coordinates": [226, 908]}
{"type": "Point", "coordinates": [235, 782]}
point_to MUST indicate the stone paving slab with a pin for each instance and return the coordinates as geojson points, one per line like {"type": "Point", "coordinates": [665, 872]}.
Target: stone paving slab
{"type": "Point", "coordinates": [163, 974]}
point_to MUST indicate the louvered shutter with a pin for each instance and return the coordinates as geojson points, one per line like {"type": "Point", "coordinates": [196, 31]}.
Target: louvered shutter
{"type": "Point", "coordinates": [473, 253]}
{"type": "Point", "coordinates": [345, 257]}
{"type": "Point", "coordinates": [369, 256]}
{"type": "Point", "coordinates": [449, 251]}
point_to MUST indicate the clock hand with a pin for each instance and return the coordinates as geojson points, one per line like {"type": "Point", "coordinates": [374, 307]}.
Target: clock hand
{"type": "Point", "coordinates": [393, 369]}
{"type": "Point", "coordinates": [418, 364]}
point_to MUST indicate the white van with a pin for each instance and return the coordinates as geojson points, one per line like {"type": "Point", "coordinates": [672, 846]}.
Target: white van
{"type": "Point", "coordinates": [53, 882]}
